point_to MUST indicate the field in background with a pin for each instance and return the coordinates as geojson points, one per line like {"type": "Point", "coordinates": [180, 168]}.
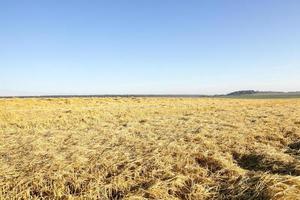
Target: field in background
{"type": "Point", "coordinates": [149, 148]}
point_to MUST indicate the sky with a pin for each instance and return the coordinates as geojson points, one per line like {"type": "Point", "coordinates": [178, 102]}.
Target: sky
{"type": "Point", "coordinates": [148, 46]}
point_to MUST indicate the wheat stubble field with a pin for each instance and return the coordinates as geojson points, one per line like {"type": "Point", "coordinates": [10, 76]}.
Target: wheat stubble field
{"type": "Point", "coordinates": [149, 148]}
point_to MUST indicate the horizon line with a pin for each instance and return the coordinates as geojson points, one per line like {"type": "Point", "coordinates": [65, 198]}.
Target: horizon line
{"type": "Point", "coordinates": [134, 95]}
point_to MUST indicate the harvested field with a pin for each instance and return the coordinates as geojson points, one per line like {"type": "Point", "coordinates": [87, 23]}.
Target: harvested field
{"type": "Point", "coordinates": [149, 148]}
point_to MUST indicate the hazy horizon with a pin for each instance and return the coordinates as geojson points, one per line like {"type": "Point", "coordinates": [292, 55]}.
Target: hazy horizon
{"type": "Point", "coordinates": [24, 94]}
{"type": "Point", "coordinates": [148, 47]}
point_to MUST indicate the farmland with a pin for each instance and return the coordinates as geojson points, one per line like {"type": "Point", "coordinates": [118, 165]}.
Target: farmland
{"type": "Point", "coordinates": [149, 148]}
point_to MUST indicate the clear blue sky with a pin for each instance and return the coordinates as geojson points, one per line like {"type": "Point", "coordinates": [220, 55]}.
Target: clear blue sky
{"type": "Point", "coordinates": [148, 46]}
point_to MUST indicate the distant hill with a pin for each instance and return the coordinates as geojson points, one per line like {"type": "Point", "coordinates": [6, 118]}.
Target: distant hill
{"type": "Point", "coordinates": [242, 92]}
{"type": "Point", "coordinates": [262, 94]}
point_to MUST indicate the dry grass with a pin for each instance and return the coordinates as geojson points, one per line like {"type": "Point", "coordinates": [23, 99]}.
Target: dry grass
{"type": "Point", "coordinates": [149, 148]}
